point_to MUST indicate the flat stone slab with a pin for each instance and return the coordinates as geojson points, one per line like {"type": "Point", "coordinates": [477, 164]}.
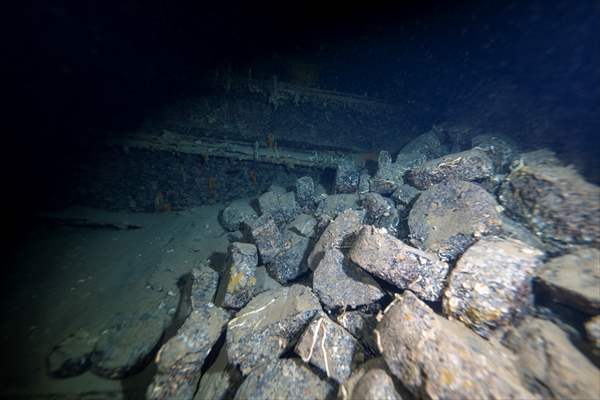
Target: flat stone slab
{"type": "Point", "coordinates": [405, 267]}
{"type": "Point", "coordinates": [72, 356]}
{"type": "Point", "coordinates": [490, 286]}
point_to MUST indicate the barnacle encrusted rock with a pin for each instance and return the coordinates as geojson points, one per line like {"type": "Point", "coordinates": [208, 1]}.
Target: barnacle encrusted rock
{"type": "Point", "coordinates": [440, 359]}
{"type": "Point", "coordinates": [490, 286]}
{"type": "Point", "coordinates": [450, 216]}
{"type": "Point", "coordinates": [470, 165]}
{"type": "Point", "coordinates": [290, 261]}
{"type": "Point", "coordinates": [555, 202]}
{"type": "Point", "coordinates": [269, 325]}
{"type": "Point", "coordinates": [405, 267]}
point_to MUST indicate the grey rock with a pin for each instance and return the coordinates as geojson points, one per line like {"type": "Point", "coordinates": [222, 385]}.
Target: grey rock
{"type": "Point", "coordinates": [339, 233]}
{"type": "Point", "coordinates": [281, 206]}
{"type": "Point", "coordinates": [234, 214]}
{"type": "Point", "coordinates": [333, 205]}
{"type": "Point", "coordinates": [592, 330]}
{"type": "Point", "coordinates": [263, 281]}
{"type": "Point", "coordinates": [205, 281]}
{"type": "Point", "coordinates": [500, 149]}
{"type": "Point", "coordinates": [361, 324]}
{"type": "Point", "coordinates": [284, 379]}
{"type": "Point", "coordinates": [290, 261]}
{"type": "Point", "coordinates": [542, 157]}
{"type": "Point", "coordinates": [265, 234]}
{"type": "Point", "coordinates": [346, 177]}
{"type": "Point", "coordinates": [405, 194]}
{"type": "Point", "coordinates": [470, 165]}
{"type": "Point", "coordinates": [235, 236]}
{"type": "Point", "coordinates": [428, 145]}
{"type": "Point", "coordinates": [305, 193]}
{"type": "Point", "coordinates": [380, 212]}
{"type": "Point", "coordinates": [72, 356]}
{"type": "Point", "coordinates": [339, 283]}
{"type": "Point", "coordinates": [329, 347]}
{"type": "Point", "coordinates": [549, 363]}
{"type": "Point", "coordinates": [269, 326]}
{"type": "Point", "coordinates": [450, 216]}
{"type": "Point", "coordinates": [364, 184]}
{"type": "Point", "coordinates": [440, 359]}
{"type": "Point", "coordinates": [512, 229]}
{"type": "Point", "coordinates": [555, 202]}
{"type": "Point", "coordinates": [387, 178]}
{"type": "Point", "coordinates": [127, 346]}
{"type": "Point", "coordinates": [180, 359]}
{"type": "Point", "coordinates": [304, 225]}
{"type": "Point", "coordinates": [405, 267]}
{"type": "Point", "coordinates": [574, 279]}
{"type": "Point", "coordinates": [371, 381]}
{"type": "Point", "coordinates": [220, 381]}
{"type": "Point", "coordinates": [239, 283]}
{"type": "Point", "coordinates": [490, 286]}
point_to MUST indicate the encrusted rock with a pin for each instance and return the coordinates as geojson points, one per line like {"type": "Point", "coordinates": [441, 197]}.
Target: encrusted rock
{"type": "Point", "coordinates": [388, 258]}
{"type": "Point", "coordinates": [361, 324]}
{"type": "Point", "coordinates": [127, 346]}
{"type": "Point", "coordinates": [346, 177]}
{"type": "Point", "coordinates": [440, 359]}
{"type": "Point", "coordinates": [556, 202]}
{"type": "Point", "coordinates": [205, 281]}
{"type": "Point", "coordinates": [284, 379]}
{"type": "Point", "coordinates": [574, 279]}
{"type": "Point", "coordinates": [550, 365]}
{"type": "Point", "coordinates": [387, 178]}
{"type": "Point", "coordinates": [180, 360]}
{"type": "Point", "coordinates": [371, 381]}
{"type": "Point", "coordinates": [490, 286]}
{"type": "Point", "coordinates": [512, 229]}
{"type": "Point", "coordinates": [542, 157]}
{"type": "Point", "coordinates": [290, 262]}
{"type": "Point", "coordinates": [281, 206]}
{"type": "Point", "coordinates": [364, 184]}
{"type": "Point", "coordinates": [265, 234]}
{"type": "Point", "coordinates": [500, 149]}
{"type": "Point", "coordinates": [381, 212]}
{"type": "Point", "coordinates": [405, 195]}
{"type": "Point", "coordinates": [305, 193]}
{"type": "Point", "coordinates": [263, 281]}
{"type": "Point", "coordinates": [428, 145]}
{"type": "Point", "coordinates": [450, 216]}
{"type": "Point", "coordinates": [234, 214]}
{"type": "Point", "coordinates": [239, 283]}
{"type": "Point", "coordinates": [329, 347]}
{"type": "Point", "coordinates": [304, 225]}
{"type": "Point", "coordinates": [339, 283]}
{"type": "Point", "coordinates": [470, 165]}
{"type": "Point", "coordinates": [269, 325]}
{"type": "Point", "coordinates": [333, 205]}
{"type": "Point", "coordinates": [71, 356]}
{"type": "Point", "coordinates": [220, 381]}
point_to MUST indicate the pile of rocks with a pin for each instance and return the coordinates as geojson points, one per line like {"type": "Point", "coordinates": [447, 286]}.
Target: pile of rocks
{"type": "Point", "coordinates": [394, 289]}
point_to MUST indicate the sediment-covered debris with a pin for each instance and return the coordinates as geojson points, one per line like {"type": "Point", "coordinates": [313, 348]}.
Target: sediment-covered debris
{"type": "Point", "coordinates": [549, 363]}
{"type": "Point", "coordinates": [490, 286]}
{"type": "Point", "coordinates": [329, 347]}
{"type": "Point", "coordinates": [574, 279]}
{"type": "Point", "coordinates": [266, 235]}
{"type": "Point", "coordinates": [235, 213]}
{"type": "Point", "coordinates": [284, 379]}
{"type": "Point", "coordinates": [405, 267]}
{"type": "Point", "coordinates": [338, 234]}
{"type": "Point", "coordinates": [470, 165]}
{"type": "Point", "coordinates": [180, 359]}
{"type": "Point", "coordinates": [269, 325]}
{"type": "Point", "coordinates": [281, 206]}
{"type": "Point", "coordinates": [290, 261]}
{"type": "Point", "coordinates": [371, 381]}
{"type": "Point", "coordinates": [441, 359]}
{"type": "Point", "coordinates": [340, 283]}
{"type": "Point", "coordinates": [449, 217]}
{"type": "Point", "coordinates": [555, 202]}
{"type": "Point", "coordinates": [72, 356]}
{"type": "Point", "coordinates": [205, 281]}
{"type": "Point", "coordinates": [239, 283]}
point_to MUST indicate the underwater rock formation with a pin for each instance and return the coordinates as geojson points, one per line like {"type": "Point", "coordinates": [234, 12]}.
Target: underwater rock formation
{"type": "Point", "coordinates": [72, 356]}
{"type": "Point", "coordinates": [235, 213]}
{"type": "Point", "coordinates": [290, 261]}
{"type": "Point", "coordinates": [346, 177]}
{"type": "Point", "coordinates": [380, 212]}
{"type": "Point", "coordinates": [305, 193]}
{"type": "Point", "coordinates": [371, 381]}
{"type": "Point", "coordinates": [265, 234]}
{"type": "Point", "coordinates": [239, 282]}
{"type": "Point", "coordinates": [281, 206]}
{"type": "Point", "coordinates": [205, 281]}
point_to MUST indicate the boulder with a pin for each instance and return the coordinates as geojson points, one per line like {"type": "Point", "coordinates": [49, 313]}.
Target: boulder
{"type": "Point", "coordinates": [339, 233]}
{"type": "Point", "coordinates": [436, 358]}
{"type": "Point", "coordinates": [450, 216]}
{"type": "Point", "coordinates": [470, 165]}
{"type": "Point", "coordinates": [72, 356]}
{"type": "Point", "coordinates": [329, 347]}
{"type": "Point", "coordinates": [405, 267]}
{"type": "Point", "coordinates": [346, 177]}
{"type": "Point", "coordinates": [426, 146]}
{"type": "Point", "coordinates": [371, 381]}
{"type": "Point", "coordinates": [180, 359]}
{"type": "Point", "coordinates": [555, 202]}
{"type": "Point", "coordinates": [220, 381]}
{"type": "Point", "coordinates": [205, 281]}
{"type": "Point", "coordinates": [305, 193]}
{"type": "Point", "coordinates": [284, 379]}
{"type": "Point", "coordinates": [235, 213]}
{"type": "Point", "coordinates": [239, 283]}
{"type": "Point", "coordinates": [364, 184]}
{"type": "Point", "coordinates": [265, 234]}
{"type": "Point", "coordinates": [549, 363]}
{"type": "Point", "coordinates": [380, 212]}
{"type": "Point", "coordinates": [490, 286]}
{"type": "Point", "coordinates": [574, 279]}
{"type": "Point", "coordinates": [592, 330]}
{"type": "Point", "coordinates": [269, 326]}
{"type": "Point", "coordinates": [361, 323]}
{"type": "Point", "coordinates": [339, 283]}
{"type": "Point", "coordinates": [500, 149]}
{"type": "Point", "coordinates": [281, 206]}
{"type": "Point", "coordinates": [387, 178]}
{"type": "Point", "coordinates": [290, 261]}
{"type": "Point", "coordinates": [405, 195]}
{"type": "Point", "coordinates": [304, 225]}
{"type": "Point", "coordinates": [335, 204]}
